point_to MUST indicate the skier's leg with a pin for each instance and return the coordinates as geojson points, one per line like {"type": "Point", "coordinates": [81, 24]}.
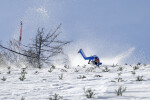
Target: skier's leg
{"type": "Point", "coordinates": [83, 55]}
{"type": "Point", "coordinates": [89, 61]}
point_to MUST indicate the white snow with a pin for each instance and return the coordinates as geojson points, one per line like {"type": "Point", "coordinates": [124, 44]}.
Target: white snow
{"type": "Point", "coordinates": [43, 85]}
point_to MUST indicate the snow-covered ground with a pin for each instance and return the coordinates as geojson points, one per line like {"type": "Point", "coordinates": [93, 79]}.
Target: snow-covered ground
{"type": "Point", "coordinates": [40, 84]}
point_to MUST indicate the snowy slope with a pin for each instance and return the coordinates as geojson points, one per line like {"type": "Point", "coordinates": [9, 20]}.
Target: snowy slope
{"type": "Point", "coordinates": [41, 84]}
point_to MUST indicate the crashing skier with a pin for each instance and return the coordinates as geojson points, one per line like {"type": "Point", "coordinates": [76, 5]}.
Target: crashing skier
{"type": "Point", "coordinates": [92, 59]}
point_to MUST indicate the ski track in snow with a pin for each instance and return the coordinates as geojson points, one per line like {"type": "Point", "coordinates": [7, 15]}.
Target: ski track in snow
{"type": "Point", "coordinates": [42, 85]}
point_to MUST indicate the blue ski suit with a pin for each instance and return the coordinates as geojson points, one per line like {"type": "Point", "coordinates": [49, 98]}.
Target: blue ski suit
{"type": "Point", "coordinates": [94, 58]}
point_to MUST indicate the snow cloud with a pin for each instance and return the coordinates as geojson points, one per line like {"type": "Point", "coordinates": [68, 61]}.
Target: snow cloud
{"type": "Point", "coordinates": [42, 11]}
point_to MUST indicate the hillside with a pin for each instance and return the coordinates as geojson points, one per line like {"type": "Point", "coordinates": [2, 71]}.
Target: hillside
{"type": "Point", "coordinates": [72, 82]}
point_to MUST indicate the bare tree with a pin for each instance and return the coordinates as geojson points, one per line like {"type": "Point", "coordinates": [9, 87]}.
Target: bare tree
{"type": "Point", "coordinates": [45, 46]}
{"type": "Point", "coordinates": [11, 56]}
{"type": "Point", "coordinates": [12, 53]}
{"type": "Point", "coordinates": [3, 56]}
{"type": "Point", "coordinates": [33, 59]}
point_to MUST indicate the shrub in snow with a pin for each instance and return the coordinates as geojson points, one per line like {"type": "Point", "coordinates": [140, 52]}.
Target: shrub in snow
{"type": "Point", "coordinates": [9, 70]}
{"type": "Point", "coordinates": [56, 97]}
{"type": "Point", "coordinates": [113, 65]}
{"type": "Point", "coordinates": [67, 67]}
{"type": "Point", "coordinates": [119, 79]}
{"type": "Point", "coordinates": [106, 69]}
{"type": "Point", "coordinates": [89, 93]}
{"type": "Point", "coordinates": [91, 69]}
{"type": "Point", "coordinates": [22, 77]}
{"type": "Point", "coordinates": [138, 63]}
{"type": "Point", "coordinates": [113, 81]}
{"type": "Point", "coordinates": [81, 77]}
{"type": "Point", "coordinates": [139, 78]}
{"type": "Point", "coordinates": [84, 66]}
{"type": "Point", "coordinates": [120, 90]}
{"type": "Point", "coordinates": [8, 67]}
{"type": "Point", "coordinates": [22, 98]}
{"type": "Point", "coordinates": [98, 76]}
{"type": "Point", "coordinates": [76, 70]}
{"type": "Point", "coordinates": [50, 70]}
{"type": "Point", "coordinates": [23, 71]}
{"type": "Point", "coordinates": [135, 67]}
{"type": "Point", "coordinates": [119, 74]}
{"type": "Point", "coordinates": [3, 79]}
{"type": "Point", "coordinates": [63, 70]}
{"type": "Point", "coordinates": [133, 72]}
{"type": "Point", "coordinates": [120, 68]}
{"type": "Point", "coordinates": [53, 67]}
{"type": "Point", "coordinates": [36, 72]}
{"type": "Point", "coordinates": [60, 77]}
{"type": "Point", "coordinates": [144, 64]}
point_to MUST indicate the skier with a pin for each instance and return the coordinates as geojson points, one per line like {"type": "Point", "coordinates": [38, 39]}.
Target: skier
{"type": "Point", "coordinates": [94, 59]}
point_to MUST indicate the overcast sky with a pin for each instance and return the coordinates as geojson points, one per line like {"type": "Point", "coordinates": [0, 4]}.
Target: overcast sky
{"type": "Point", "coordinates": [107, 26]}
